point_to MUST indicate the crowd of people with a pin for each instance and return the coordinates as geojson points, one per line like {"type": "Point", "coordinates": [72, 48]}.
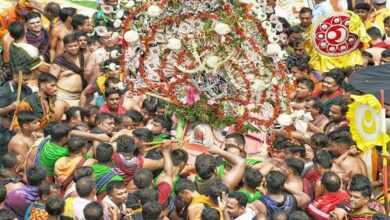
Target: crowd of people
{"type": "Point", "coordinates": [75, 143]}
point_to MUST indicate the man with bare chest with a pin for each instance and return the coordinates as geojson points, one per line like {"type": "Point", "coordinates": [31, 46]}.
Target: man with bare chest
{"type": "Point", "coordinates": [69, 70]}
{"type": "Point", "coordinates": [24, 139]}
{"type": "Point", "coordinates": [340, 143]}
{"type": "Point", "coordinates": [59, 32]}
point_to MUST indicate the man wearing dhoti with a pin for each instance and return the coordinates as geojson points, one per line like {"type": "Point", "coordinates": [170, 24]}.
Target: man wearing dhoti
{"type": "Point", "coordinates": [69, 70]}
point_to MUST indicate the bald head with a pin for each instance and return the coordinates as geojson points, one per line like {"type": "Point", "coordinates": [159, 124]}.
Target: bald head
{"type": "Point", "coordinates": [331, 182]}
{"type": "Point", "coordinates": [85, 186]}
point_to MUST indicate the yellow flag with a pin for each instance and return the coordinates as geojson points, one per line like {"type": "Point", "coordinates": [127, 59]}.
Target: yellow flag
{"type": "Point", "coordinates": [365, 122]}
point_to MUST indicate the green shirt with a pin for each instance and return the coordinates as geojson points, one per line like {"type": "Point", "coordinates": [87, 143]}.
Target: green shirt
{"type": "Point", "coordinates": [251, 197]}
{"type": "Point", "coordinates": [99, 170]}
{"type": "Point", "coordinates": [51, 152]}
{"type": "Point", "coordinates": [161, 137]}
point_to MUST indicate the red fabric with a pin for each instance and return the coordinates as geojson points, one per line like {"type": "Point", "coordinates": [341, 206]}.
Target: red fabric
{"type": "Point", "coordinates": [326, 203]}
{"type": "Point", "coordinates": [381, 45]}
{"type": "Point", "coordinates": [120, 111]}
{"type": "Point", "coordinates": [312, 176]}
{"type": "Point", "coordinates": [308, 188]}
{"type": "Point", "coordinates": [50, 179]}
{"type": "Point", "coordinates": [129, 172]}
{"type": "Point", "coordinates": [164, 191]}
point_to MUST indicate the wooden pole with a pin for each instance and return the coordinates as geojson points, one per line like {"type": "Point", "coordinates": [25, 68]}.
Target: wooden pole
{"type": "Point", "coordinates": [18, 94]}
{"type": "Point", "coordinates": [384, 149]}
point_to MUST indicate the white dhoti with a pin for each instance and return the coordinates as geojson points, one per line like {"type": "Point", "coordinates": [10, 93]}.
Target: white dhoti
{"type": "Point", "coordinates": [73, 99]}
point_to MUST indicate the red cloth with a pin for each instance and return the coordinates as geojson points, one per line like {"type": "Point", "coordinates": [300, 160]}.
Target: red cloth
{"type": "Point", "coordinates": [126, 168]}
{"type": "Point", "coordinates": [164, 191]}
{"type": "Point", "coordinates": [313, 176]}
{"type": "Point", "coordinates": [120, 111]}
{"type": "Point", "coordinates": [308, 188]}
{"type": "Point", "coordinates": [381, 44]}
{"type": "Point", "coordinates": [321, 206]}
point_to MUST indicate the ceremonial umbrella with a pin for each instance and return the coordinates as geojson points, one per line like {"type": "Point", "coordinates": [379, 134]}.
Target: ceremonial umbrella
{"type": "Point", "coordinates": [371, 80]}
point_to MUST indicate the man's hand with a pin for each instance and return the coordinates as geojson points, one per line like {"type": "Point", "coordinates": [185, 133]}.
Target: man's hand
{"type": "Point", "coordinates": [354, 151]}
{"type": "Point", "coordinates": [113, 212]}
{"type": "Point", "coordinates": [102, 137]}
{"type": "Point", "coordinates": [338, 214]}
{"type": "Point", "coordinates": [34, 4]}
{"type": "Point", "coordinates": [14, 105]}
{"type": "Point", "coordinates": [166, 145]}
{"type": "Point", "coordinates": [213, 149]}
{"type": "Point", "coordinates": [222, 201]}
{"type": "Point", "coordinates": [127, 213]}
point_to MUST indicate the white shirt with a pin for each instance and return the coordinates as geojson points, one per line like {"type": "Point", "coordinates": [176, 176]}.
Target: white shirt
{"type": "Point", "coordinates": [30, 49]}
{"type": "Point", "coordinates": [248, 214]}
{"type": "Point", "coordinates": [78, 207]}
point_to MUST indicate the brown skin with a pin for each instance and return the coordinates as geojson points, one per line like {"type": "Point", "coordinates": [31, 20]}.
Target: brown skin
{"type": "Point", "coordinates": [305, 19]}
{"type": "Point", "coordinates": [112, 102]}
{"type": "Point", "coordinates": [350, 164]}
{"type": "Point", "coordinates": [299, 50]}
{"type": "Point", "coordinates": [92, 69]}
{"type": "Point", "coordinates": [86, 27]}
{"type": "Point", "coordinates": [23, 140]}
{"type": "Point", "coordinates": [233, 178]}
{"type": "Point", "coordinates": [35, 25]}
{"type": "Point", "coordinates": [302, 199]}
{"type": "Point", "coordinates": [56, 38]}
{"type": "Point", "coordinates": [298, 74]}
{"type": "Point", "coordinates": [387, 29]}
{"type": "Point", "coordinates": [14, 105]}
{"type": "Point", "coordinates": [314, 113]}
{"type": "Point", "coordinates": [318, 188]}
{"type": "Point", "coordinates": [384, 60]}
{"type": "Point", "coordinates": [302, 93]}
{"type": "Point", "coordinates": [363, 14]}
{"type": "Point", "coordinates": [107, 127]}
{"type": "Point", "coordinates": [67, 79]}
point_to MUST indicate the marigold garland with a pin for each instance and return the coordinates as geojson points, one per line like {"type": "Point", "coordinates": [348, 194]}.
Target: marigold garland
{"type": "Point", "coordinates": [235, 72]}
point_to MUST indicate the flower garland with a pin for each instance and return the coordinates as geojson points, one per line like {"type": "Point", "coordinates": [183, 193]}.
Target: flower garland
{"type": "Point", "coordinates": [206, 62]}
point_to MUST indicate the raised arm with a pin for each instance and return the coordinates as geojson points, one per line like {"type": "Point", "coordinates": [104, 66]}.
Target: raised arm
{"type": "Point", "coordinates": [168, 165]}
{"type": "Point", "coordinates": [233, 177]}
{"type": "Point", "coordinates": [86, 93]}
{"type": "Point", "coordinates": [153, 164]}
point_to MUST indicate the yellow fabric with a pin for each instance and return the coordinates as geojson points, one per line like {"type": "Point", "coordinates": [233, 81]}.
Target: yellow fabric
{"type": "Point", "coordinates": [377, 19]}
{"type": "Point", "coordinates": [100, 80]}
{"type": "Point", "coordinates": [201, 199]}
{"type": "Point", "coordinates": [323, 63]}
{"type": "Point", "coordinates": [25, 106]}
{"type": "Point", "coordinates": [68, 210]}
{"type": "Point", "coordinates": [364, 123]}
{"type": "Point", "coordinates": [100, 83]}
{"type": "Point", "coordinates": [64, 167]}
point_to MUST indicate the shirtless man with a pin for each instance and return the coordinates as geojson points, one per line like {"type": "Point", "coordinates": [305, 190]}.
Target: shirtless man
{"type": "Point", "coordinates": [92, 68]}
{"type": "Point", "coordinates": [340, 143]}
{"type": "Point", "coordinates": [69, 70]}
{"type": "Point", "coordinates": [52, 13]}
{"type": "Point", "coordinates": [24, 139]}
{"type": "Point", "coordinates": [292, 170]}
{"type": "Point", "coordinates": [59, 32]}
